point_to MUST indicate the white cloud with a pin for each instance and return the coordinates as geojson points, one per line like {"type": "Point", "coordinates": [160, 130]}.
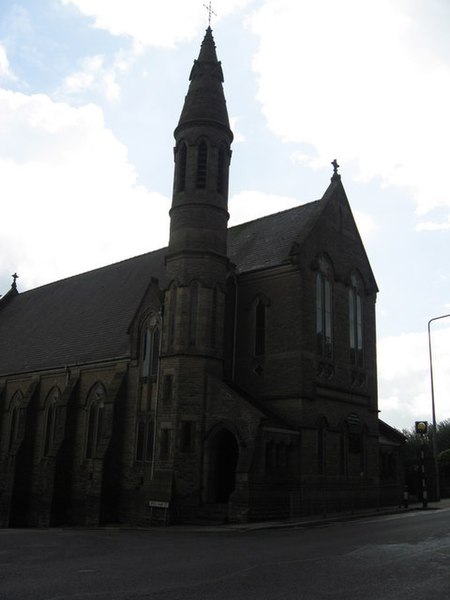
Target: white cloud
{"type": "Point", "coordinates": [248, 205]}
{"type": "Point", "coordinates": [71, 192]}
{"type": "Point", "coordinates": [93, 76]}
{"type": "Point", "coordinates": [433, 226]}
{"type": "Point", "coordinates": [239, 137]}
{"type": "Point", "coordinates": [404, 377]}
{"type": "Point", "coordinates": [5, 68]}
{"type": "Point", "coordinates": [371, 89]}
{"type": "Point", "coordinates": [366, 224]}
{"type": "Point", "coordinates": [152, 22]}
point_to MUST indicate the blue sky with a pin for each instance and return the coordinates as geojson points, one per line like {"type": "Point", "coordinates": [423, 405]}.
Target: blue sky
{"type": "Point", "coordinates": [91, 91]}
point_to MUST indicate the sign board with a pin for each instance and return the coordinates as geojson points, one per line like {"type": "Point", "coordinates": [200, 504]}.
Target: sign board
{"type": "Point", "coordinates": [158, 504]}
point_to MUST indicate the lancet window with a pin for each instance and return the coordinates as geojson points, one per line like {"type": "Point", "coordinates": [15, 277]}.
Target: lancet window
{"type": "Point", "coordinates": [96, 406]}
{"type": "Point", "coordinates": [202, 164]}
{"type": "Point", "coordinates": [324, 310]}
{"type": "Point", "coordinates": [355, 319]}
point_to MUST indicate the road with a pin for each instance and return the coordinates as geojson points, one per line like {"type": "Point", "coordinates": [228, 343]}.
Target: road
{"type": "Point", "coordinates": [404, 556]}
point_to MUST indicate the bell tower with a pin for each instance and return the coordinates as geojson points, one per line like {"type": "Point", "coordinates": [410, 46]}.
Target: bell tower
{"type": "Point", "coordinates": [197, 258]}
{"type": "Point", "coordinates": [197, 265]}
{"type": "Point", "coordinates": [199, 213]}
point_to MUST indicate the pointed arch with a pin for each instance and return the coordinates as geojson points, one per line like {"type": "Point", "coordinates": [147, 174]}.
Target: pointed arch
{"type": "Point", "coordinates": [181, 161]}
{"type": "Point", "coordinates": [223, 452]}
{"type": "Point", "coordinates": [17, 415]}
{"type": "Point", "coordinates": [324, 307]}
{"type": "Point", "coordinates": [355, 319]}
{"type": "Point", "coordinates": [95, 410]}
{"type": "Point", "coordinates": [258, 307]}
{"type": "Point", "coordinates": [202, 164]}
{"type": "Point", "coordinates": [193, 313]}
{"type": "Point", "coordinates": [221, 170]}
{"type": "Point", "coordinates": [51, 418]}
{"type": "Point", "coordinates": [172, 313]}
{"type": "Point", "coordinates": [150, 346]}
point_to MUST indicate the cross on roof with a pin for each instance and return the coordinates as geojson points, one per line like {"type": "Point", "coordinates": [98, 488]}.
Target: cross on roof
{"type": "Point", "coordinates": [210, 12]}
{"type": "Point", "coordinates": [335, 167]}
{"type": "Point", "coordinates": [15, 277]}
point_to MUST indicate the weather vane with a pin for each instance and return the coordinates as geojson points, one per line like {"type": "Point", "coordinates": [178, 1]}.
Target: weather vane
{"type": "Point", "coordinates": [210, 12]}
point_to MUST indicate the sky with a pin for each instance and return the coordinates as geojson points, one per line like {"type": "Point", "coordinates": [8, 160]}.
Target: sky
{"type": "Point", "coordinates": [91, 91]}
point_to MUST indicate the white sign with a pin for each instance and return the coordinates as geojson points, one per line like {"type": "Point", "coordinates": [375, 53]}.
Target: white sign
{"type": "Point", "coordinates": [157, 504]}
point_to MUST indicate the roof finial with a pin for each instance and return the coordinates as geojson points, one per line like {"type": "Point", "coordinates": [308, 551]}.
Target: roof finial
{"type": "Point", "coordinates": [15, 277]}
{"type": "Point", "coordinates": [210, 12]}
{"type": "Point", "coordinates": [335, 169]}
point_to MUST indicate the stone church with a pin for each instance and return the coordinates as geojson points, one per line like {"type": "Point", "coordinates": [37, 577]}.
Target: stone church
{"type": "Point", "coordinates": [230, 375]}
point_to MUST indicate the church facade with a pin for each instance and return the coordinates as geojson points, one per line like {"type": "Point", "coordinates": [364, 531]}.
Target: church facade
{"type": "Point", "coordinates": [230, 375]}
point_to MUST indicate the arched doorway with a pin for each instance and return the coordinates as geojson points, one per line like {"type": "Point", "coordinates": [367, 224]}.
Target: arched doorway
{"type": "Point", "coordinates": [224, 454]}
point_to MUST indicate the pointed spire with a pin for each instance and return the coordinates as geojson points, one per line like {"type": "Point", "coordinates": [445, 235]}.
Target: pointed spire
{"type": "Point", "coordinates": [208, 48]}
{"type": "Point", "coordinates": [205, 100]}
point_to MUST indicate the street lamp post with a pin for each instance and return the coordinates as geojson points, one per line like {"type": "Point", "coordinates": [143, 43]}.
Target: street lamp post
{"type": "Point", "coordinates": [433, 408]}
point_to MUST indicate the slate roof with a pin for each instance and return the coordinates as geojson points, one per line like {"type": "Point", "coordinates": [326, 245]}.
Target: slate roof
{"type": "Point", "coordinates": [81, 319]}
{"type": "Point", "coordinates": [85, 318]}
{"type": "Point", "coordinates": [267, 241]}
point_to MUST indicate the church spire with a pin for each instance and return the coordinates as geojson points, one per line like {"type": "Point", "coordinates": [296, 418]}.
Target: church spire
{"type": "Point", "coordinates": [203, 137]}
{"type": "Point", "coordinates": [205, 99]}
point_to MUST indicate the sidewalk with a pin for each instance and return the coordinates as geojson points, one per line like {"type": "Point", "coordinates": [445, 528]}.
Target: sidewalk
{"type": "Point", "coordinates": [317, 520]}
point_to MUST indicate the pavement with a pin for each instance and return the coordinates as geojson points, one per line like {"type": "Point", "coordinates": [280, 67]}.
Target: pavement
{"type": "Point", "coordinates": [316, 520]}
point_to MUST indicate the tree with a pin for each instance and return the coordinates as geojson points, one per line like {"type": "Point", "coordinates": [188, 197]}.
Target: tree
{"type": "Point", "coordinates": [443, 435]}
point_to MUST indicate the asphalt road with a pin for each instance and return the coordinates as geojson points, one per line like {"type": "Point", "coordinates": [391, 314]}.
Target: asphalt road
{"type": "Point", "coordinates": [405, 556]}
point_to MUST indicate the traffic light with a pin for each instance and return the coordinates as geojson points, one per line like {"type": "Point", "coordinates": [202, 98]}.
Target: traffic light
{"type": "Point", "coordinates": [422, 427]}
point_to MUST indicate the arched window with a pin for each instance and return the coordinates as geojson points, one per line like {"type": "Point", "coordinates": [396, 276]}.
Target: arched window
{"type": "Point", "coordinates": [187, 436]}
{"type": "Point", "coordinates": [53, 400]}
{"type": "Point", "coordinates": [260, 328]}
{"type": "Point", "coordinates": [17, 418]}
{"type": "Point", "coordinates": [154, 357]}
{"type": "Point", "coordinates": [96, 405]}
{"type": "Point", "coordinates": [202, 162]}
{"type": "Point", "coordinates": [193, 314]}
{"type": "Point", "coordinates": [355, 319]}
{"type": "Point", "coordinates": [150, 348]}
{"type": "Point", "coordinates": [165, 443]}
{"type": "Point", "coordinates": [353, 439]}
{"type": "Point", "coordinates": [181, 167]}
{"type": "Point", "coordinates": [221, 171]}
{"type": "Point", "coordinates": [144, 440]}
{"type": "Point", "coordinates": [172, 314]}
{"type": "Point", "coordinates": [324, 310]}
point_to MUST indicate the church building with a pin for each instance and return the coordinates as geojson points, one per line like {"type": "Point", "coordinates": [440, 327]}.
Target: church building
{"type": "Point", "coordinates": [230, 375]}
